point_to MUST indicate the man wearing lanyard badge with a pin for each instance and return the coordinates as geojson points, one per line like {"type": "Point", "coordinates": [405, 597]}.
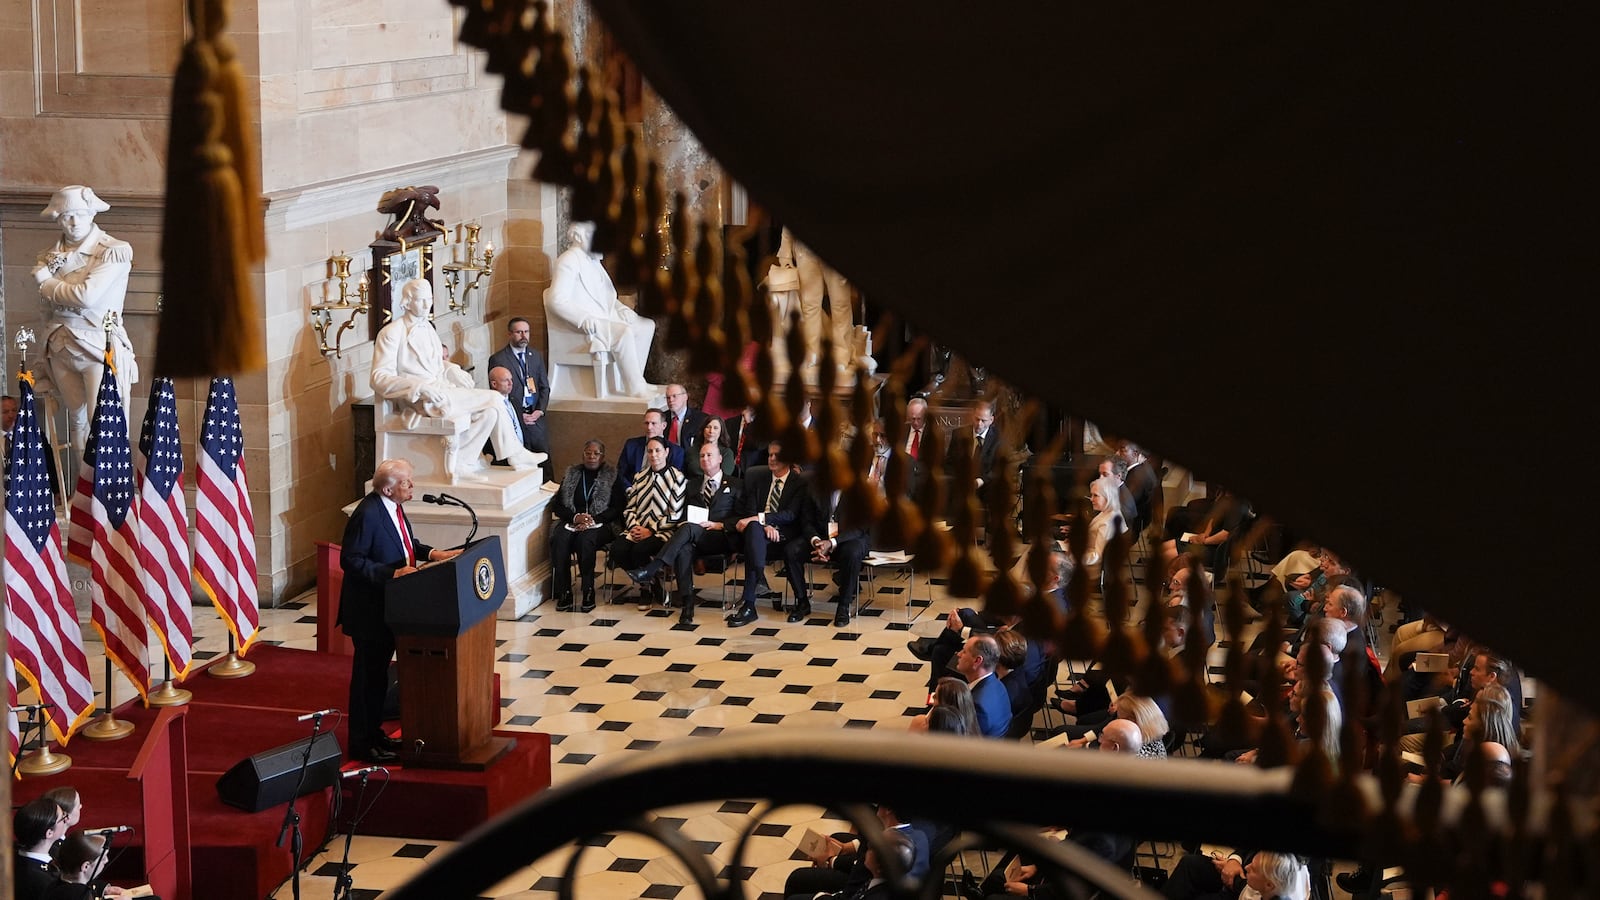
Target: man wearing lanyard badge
{"type": "Point", "coordinates": [530, 388]}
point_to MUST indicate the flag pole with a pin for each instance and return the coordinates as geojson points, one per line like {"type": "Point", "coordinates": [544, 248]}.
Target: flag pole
{"type": "Point", "coordinates": [108, 727]}
{"type": "Point", "coordinates": [41, 761]}
{"type": "Point", "coordinates": [231, 666]}
{"type": "Point", "coordinates": [169, 694]}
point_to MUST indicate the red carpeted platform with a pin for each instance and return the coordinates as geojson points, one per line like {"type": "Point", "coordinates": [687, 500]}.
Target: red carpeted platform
{"type": "Point", "coordinates": [230, 720]}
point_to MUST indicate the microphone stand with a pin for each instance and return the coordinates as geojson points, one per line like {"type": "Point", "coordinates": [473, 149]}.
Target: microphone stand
{"type": "Point", "coordinates": [344, 884]}
{"type": "Point", "coordinates": [443, 499]}
{"type": "Point", "coordinates": [291, 816]}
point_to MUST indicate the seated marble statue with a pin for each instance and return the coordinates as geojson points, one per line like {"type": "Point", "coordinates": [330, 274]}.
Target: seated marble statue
{"type": "Point", "coordinates": [582, 299]}
{"type": "Point", "coordinates": [409, 369]}
{"type": "Point", "coordinates": [82, 277]}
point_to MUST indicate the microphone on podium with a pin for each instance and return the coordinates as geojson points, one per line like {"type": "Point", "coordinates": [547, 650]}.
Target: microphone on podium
{"type": "Point", "coordinates": [109, 830]}
{"type": "Point", "coordinates": [316, 715]}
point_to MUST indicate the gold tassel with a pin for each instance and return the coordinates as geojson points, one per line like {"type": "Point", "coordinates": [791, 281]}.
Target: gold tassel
{"type": "Point", "coordinates": [630, 246]}
{"type": "Point", "coordinates": [681, 277]}
{"type": "Point", "coordinates": [553, 138]}
{"type": "Point", "coordinates": [209, 324]}
{"type": "Point", "coordinates": [235, 122]}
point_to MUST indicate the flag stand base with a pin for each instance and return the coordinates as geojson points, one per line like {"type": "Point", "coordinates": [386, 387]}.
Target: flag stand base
{"type": "Point", "coordinates": [231, 667]}
{"type": "Point", "coordinates": [43, 762]}
{"type": "Point", "coordinates": [108, 728]}
{"type": "Point", "coordinates": [170, 695]}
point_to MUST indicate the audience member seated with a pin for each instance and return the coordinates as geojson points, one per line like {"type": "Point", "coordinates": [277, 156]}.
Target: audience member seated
{"type": "Point", "coordinates": [748, 436]}
{"type": "Point", "coordinates": [976, 662]}
{"type": "Point", "coordinates": [1425, 635]}
{"type": "Point", "coordinates": [1120, 737]}
{"type": "Point", "coordinates": [1116, 469]}
{"type": "Point", "coordinates": [711, 432]}
{"type": "Point", "coordinates": [586, 507]}
{"type": "Point", "coordinates": [1489, 719]}
{"type": "Point", "coordinates": [825, 539]}
{"type": "Point", "coordinates": [951, 694]}
{"type": "Point", "coordinates": [630, 462]}
{"type": "Point", "coordinates": [80, 859]}
{"type": "Point", "coordinates": [772, 508]}
{"type": "Point", "coordinates": [842, 870]}
{"type": "Point", "coordinates": [1211, 522]}
{"type": "Point", "coordinates": [1259, 876]}
{"type": "Point", "coordinates": [35, 828]}
{"type": "Point", "coordinates": [1088, 694]}
{"type": "Point", "coordinates": [1107, 522]}
{"type": "Point", "coordinates": [1013, 653]}
{"type": "Point", "coordinates": [653, 510]}
{"type": "Point", "coordinates": [940, 651]}
{"type": "Point", "coordinates": [71, 805]}
{"type": "Point", "coordinates": [693, 541]}
{"type": "Point", "coordinates": [1486, 668]}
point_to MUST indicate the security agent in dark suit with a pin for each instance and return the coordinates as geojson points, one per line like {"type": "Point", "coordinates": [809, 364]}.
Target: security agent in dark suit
{"type": "Point", "coordinates": [771, 508]}
{"type": "Point", "coordinates": [631, 459]}
{"type": "Point", "coordinates": [984, 441]}
{"type": "Point", "coordinates": [35, 827]}
{"type": "Point", "coordinates": [530, 390]}
{"type": "Point", "coordinates": [825, 539]}
{"type": "Point", "coordinates": [748, 436]}
{"type": "Point", "coordinates": [1144, 482]}
{"type": "Point", "coordinates": [378, 546]}
{"type": "Point", "coordinates": [717, 495]}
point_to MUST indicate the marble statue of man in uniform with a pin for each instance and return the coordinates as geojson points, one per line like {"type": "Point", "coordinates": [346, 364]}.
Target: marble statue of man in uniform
{"type": "Point", "coordinates": [583, 299]}
{"type": "Point", "coordinates": [408, 368]}
{"type": "Point", "coordinates": [82, 277]}
{"type": "Point", "coordinates": [816, 280]}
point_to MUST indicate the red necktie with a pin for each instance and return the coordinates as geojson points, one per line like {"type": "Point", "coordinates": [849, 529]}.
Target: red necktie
{"type": "Point", "coordinates": [405, 538]}
{"type": "Point", "coordinates": [738, 452]}
{"type": "Point", "coordinates": [672, 435]}
{"type": "Point", "coordinates": [916, 444]}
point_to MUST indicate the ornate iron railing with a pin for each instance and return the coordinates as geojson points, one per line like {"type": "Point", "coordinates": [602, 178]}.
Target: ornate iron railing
{"type": "Point", "coordinates": [999, 793]}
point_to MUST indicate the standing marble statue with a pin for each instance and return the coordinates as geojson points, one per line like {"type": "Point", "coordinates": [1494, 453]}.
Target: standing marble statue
{"type": "Point", "coordinates": [817, 280]}
{"type": "Point", "coordinates": [582, 299]}
{"type": "Point", "coordinates": [82, 277]}
{"type": "Point", "coordinates": [408, 368]}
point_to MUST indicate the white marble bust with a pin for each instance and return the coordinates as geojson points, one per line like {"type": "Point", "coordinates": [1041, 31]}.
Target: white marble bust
{"type": "Point", "coordinates": [409, 369]}
{"type": "Point", "coordinates": [82, 277]}
{"type": "Point", "coordinates": [583, 300]}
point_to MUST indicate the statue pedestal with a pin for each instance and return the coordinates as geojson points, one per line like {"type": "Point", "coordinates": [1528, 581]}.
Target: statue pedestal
{"type": "Point", "coordinates": [575, 420]}
{"type": "Point", "coordinates": [510, 504]}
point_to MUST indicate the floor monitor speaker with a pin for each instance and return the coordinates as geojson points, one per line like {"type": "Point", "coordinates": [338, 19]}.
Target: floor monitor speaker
{"type": "Point", "coordinates": [268, 778]}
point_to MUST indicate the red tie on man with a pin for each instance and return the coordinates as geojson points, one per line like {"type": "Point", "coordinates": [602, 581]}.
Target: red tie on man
{"type": "Point", "coordinates": [672, 433]}
{"type": "Point", "coordinates": [916, 443]}
{"type": "Point", "coordinates": [405, 537]}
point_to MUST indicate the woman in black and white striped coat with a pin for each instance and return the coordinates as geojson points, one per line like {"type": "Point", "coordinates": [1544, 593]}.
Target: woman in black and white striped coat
{"type": "Point", "coordinates": [655, 507]}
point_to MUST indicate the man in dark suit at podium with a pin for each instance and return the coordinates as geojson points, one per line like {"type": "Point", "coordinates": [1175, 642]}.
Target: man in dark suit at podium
{"type": "Point", "coordinates": [378, 545]}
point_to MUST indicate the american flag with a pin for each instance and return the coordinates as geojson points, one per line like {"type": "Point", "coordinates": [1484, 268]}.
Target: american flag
{"type": "Point", "coordinates": [225, 542]}
{"type": "Point", "coordinates": [46, 642]}
{"type": "Point", "coordinates": [13, 728]}
{"type": "Point", "coordinates": [164, 553]}
{"type": "Point", "coordinates": [115, 585]}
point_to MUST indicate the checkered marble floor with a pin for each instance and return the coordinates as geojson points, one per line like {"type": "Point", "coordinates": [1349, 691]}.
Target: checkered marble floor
{"type": "Point", "coordinates": [618, 681]}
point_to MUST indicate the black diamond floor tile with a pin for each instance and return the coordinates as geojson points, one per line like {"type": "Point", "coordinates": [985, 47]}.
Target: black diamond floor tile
{"type": "Point", "coordinates": [662, 891]}
{"type": "Point", "coordinates": [853, 678]}
{"type": "Point", "coordinates": [907, 666]}
{"type": "Point", "coordinates": [826, 706]}
{"type": "Point", "coordinates": [680, 667]}
{"type": "Point", "coordinates": [875, 651]}
{"type": "Point", "coordinates": [627, 865]}
{"type": "Point", "coordinates": [860, 723]}
{"type": "Point", "coordinates": [642, 745]}
{"type": "Point", "coordinates": [766, 673]}
{"type": "Point", "coordinates": [705, 731]}
{"type": "Point", "coordinates": [561, 691]}
{"type": "Point", "coordinates": [613, 726]}
{"type": "Point", "coordinates": [547, 632]}
{"type": "Point", "coordinates": [576, 759]}
{"type": "Point", "coordinates": [821, 661]}
{"type": "Point", "coordinates": [796, 689]}
{"type": "Point", "coordinates": [649, 695]}
{"type": "Point", "coordinates": [587, 707]}
{"type": "Point", "coordinates": [768, 719]}
{"type": "Point", "coordinates": [622, 679]}
{"type": "Point", "coordinates": [708, 683]}
{"type": "Point", "coordinates": [676, 713]}
{"type": "Point", "coordinates": [653, 651]}
{"type": "Point", "coordinates": [885, 695]}
{"type": "Point", "coordinates": [596, 663]}
{"type": "Point", "coordinates": [415, 851]}
{"type": "Point", "coordinates": [771, 829]}
{"type": "Point", "coordinates": [522, 720]}
{"type": "Point", "coordinates": [737, 701]}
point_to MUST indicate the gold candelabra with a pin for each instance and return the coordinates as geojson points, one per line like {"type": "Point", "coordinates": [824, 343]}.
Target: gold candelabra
{"type": "Point", "coordinates": [464, 271]}
{"type": "Point", "coordinates": [322, 313]}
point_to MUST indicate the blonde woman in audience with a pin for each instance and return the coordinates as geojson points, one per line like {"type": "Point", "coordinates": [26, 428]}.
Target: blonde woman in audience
{"type": "Point", "coordinates": [1489, 721]}
{"type": "Point", "coordinates": [1153, 728]}
{"type": "Point", "coordinates": [1107, 522]}
{"type": "Point", "coordinates": [952, 694]}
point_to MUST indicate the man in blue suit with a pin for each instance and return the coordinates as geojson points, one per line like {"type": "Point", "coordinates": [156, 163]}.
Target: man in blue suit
{"type": "Point", "coordinates": [631, 459]}
{"type": "Point", "coordinates": [976, 662]}
{"type": "Point", "coordinates": [378, 546]}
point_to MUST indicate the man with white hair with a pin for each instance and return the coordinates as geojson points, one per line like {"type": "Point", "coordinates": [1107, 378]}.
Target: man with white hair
{"type": "Point", "coordinates": [83, 277]}
{"type": "Point", "coordinates": [408, 368]}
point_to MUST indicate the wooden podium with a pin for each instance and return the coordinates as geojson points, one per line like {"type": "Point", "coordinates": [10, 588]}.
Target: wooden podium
{"type": "Point", "coordinates": [443, 617]}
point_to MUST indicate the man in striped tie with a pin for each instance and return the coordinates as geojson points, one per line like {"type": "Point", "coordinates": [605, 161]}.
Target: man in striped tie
{"type": "Point", "coordinates": [378, 546]}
